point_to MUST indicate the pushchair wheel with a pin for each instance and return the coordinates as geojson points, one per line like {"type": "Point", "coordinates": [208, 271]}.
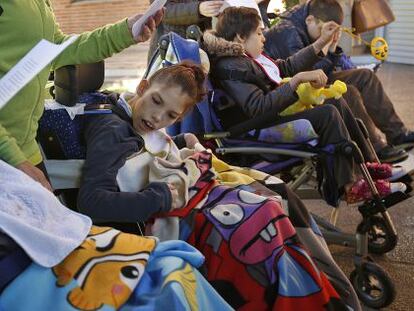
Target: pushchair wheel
{"type": "Point", "coordinates": [380, 239]}
{"type": "Point", "coordinates": [373, 285]}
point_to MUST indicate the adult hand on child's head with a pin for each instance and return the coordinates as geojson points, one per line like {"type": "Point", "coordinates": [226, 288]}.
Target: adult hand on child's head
{"type": "Point", "coordinates": [190, 140]}
{"type": "Point", "coordinates": [174, 196]}
{"type": "Point", "coordinates": [148, 28]}
{"type": "Point", "coordinates": [210, 8]}
{"type": "Point", "coordinates": [36, 174]}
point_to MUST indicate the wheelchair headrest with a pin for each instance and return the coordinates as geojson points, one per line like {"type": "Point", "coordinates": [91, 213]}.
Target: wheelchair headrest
{"type": "Point", "coordinates": [173, 49]}
{"type": "Point", "coordinates": [194, 32]}
{"type": "Point", "coordinates": [73, 80]}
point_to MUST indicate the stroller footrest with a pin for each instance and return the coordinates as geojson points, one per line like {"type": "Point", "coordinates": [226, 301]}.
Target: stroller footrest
{"type": "Point", "coordinates": [374, 207]}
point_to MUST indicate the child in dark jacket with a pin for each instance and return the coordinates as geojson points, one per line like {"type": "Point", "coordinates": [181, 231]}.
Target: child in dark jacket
{"type": "Point", "coordinates": [111, 139]}
{"type": "Point", "coordinates": [237, 46]}
{"type": "Point", "coordinates": [299, 28]}
{"type": "Point", "coordinates": [236, 229]}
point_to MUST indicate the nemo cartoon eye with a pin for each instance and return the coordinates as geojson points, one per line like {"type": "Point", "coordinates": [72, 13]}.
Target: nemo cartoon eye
{"type": "Point", "coordinates": [131, 274]}
{"type": "Point", "coordinates": [227, 214]}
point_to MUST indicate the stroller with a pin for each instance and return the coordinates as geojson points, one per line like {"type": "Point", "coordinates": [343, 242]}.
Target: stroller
{"type": "Point", "coordinates": [375, 233]}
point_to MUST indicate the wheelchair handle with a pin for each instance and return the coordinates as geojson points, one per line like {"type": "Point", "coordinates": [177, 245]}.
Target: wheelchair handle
{"type": "Point", "coordinates": [163, 45]}
{"type": "Point", "coordinates": [194, 32]}
{"type": "Point", "coordinates": [216, 135]}
{"type": "Point", "coordinates": [256, 123]}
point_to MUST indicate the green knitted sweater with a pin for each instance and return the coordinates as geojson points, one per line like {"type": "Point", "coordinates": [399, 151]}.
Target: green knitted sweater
{"type": "Point", "coordinates": [22, 25]}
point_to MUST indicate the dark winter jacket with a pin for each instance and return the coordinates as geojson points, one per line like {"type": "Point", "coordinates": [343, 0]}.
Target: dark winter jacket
{"type": "Point", "coordinates": [179, 14]}
{"type": "Point", "coordinates": [253, 100]}
{"type": "Point", "coordinates": [110, 140]}
{"type": "Point", "coordinates": [291, 35]}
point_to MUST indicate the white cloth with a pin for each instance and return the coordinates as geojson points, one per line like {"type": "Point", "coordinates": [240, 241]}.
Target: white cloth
{"type": "Point", "coordinates": [35, 219]}
{"type": "Point", "coordinates": [161, 161]}
{"type": "Point", "coordinates": [134, 175]}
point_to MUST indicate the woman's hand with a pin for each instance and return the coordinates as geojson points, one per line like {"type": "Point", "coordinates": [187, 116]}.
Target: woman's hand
{"type": "Point", "coordinates": [148, 28]}
{"type": "Point", "coordinates": [36, 174]}
{"type": "Point", "coordinates": [210, 8]}
{"type": "Point", "coordinates": [317, 79]}
{"type": "Point", "coordinates": [190, 140]}
{"type": "Point", "coordinates": [174, 196]}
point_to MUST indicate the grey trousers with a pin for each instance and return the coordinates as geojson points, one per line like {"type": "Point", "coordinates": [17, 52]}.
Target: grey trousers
{"type": "Point", "coordinates": [368, 101]}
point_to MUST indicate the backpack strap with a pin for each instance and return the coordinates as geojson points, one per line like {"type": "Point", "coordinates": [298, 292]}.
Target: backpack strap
{"type": "Point", "coordinates": [240, 75]}
{"type": "Point", "coordinates": [109, 105]}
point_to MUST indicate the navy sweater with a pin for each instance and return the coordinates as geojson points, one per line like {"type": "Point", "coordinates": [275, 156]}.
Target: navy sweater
{"type": "Point", "coordinates": [110, 140]}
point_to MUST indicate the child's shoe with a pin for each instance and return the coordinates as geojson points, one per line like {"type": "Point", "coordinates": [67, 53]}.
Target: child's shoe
{"type": "Point", "coordinates": [385, 171]}
{"type": "Point", "coordinates": [360, 191]}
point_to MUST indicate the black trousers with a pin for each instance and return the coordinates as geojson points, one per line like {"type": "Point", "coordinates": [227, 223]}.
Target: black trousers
{"type": "Point", "coordinates": [334, 123]}
{"type": "Point", "coordinates": [379, 109]}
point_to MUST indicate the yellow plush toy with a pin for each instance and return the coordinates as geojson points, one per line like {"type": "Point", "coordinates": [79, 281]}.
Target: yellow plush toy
{"type": "Point", "coordinates": [310, 97]}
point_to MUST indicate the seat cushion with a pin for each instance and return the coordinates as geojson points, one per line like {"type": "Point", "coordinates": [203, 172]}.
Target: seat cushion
{"type": "Point", "coordinates": [297, 132]}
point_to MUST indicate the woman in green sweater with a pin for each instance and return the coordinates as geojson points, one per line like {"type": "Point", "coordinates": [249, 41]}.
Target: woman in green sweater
{"type": "Point", "coordinates": [22, 25]}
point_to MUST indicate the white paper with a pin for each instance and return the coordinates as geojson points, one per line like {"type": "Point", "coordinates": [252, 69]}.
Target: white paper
{"type": "Point", "coordinates": [29, 66]}
{"type": "Point", "coordinates": [245, 3]}
{"type": "Point", "coordinates": [155, 6]}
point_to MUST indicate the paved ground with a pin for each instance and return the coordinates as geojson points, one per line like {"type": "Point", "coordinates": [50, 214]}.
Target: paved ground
{"type": "Point", "coordinates": [399, 263]}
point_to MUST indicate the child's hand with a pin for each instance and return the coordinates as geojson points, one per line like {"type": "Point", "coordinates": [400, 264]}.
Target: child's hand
{"type": "Point", "coordinates": [210, 8]}
{"type": "Point", "coordinates": [190, 140]}
{"type": "Point", "coordinates": [328, 32]}
{"type": "Point", "coordinates": [317, 79]}
{"type": "Point", "coordinates": [174, 196]}
{"type": "Point", "coordinates": [335, 41]}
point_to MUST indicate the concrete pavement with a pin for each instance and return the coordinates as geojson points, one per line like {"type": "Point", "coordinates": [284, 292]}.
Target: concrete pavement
{"type": "Point", "coordinates": [398, 81]}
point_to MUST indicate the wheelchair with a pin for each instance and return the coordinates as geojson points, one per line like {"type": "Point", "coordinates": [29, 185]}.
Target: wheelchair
{"type": "Point", "coordinates": [64, 169]}
{"type": "Point", "coordinates": [376, 232]}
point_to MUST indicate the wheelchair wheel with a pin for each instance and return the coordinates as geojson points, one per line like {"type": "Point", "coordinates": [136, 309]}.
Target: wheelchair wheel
{"type": "Point", "coordinates": [373, 286]}
{"type": "Point", "coordinates": [380, 239]}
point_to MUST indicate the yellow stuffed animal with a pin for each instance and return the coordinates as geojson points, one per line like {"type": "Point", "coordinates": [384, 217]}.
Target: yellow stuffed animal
{"type": "Point", "coordinates": [309, 97]}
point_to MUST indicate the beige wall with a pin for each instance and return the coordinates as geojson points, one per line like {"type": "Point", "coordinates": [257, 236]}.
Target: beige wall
{"type": "Point", "coordinates": [346, 41]}
{"type": "Point", "coordinates": [78, 16]}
